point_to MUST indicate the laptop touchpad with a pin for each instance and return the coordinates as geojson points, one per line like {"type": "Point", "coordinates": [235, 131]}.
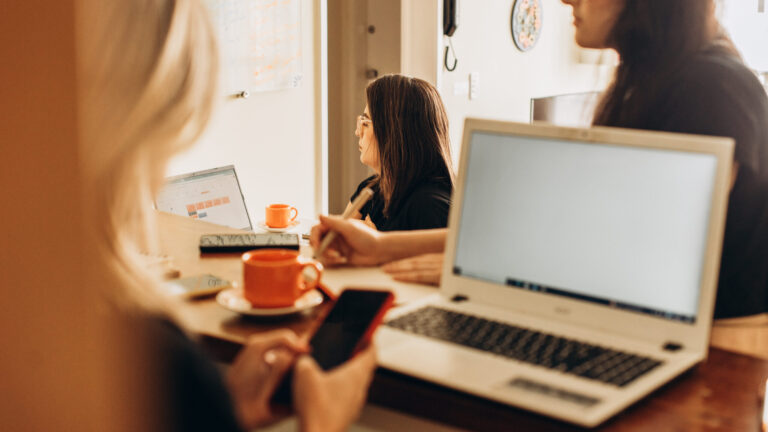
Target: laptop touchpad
{"type": "Point", "coordinates": [549, 390]}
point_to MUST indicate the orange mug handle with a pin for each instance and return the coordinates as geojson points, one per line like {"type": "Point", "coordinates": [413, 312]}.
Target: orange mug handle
{"type": "Point", "coordinates": [295, 214]}
{"type": "Point", "coordinates": [310, 285]}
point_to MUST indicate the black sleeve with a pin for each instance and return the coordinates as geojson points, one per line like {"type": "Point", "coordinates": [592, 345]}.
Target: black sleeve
{"type": "Point", "coordinates": [360, 187]}
{"type": "Point", "coordinates": [197, 399]}
{"type": "Point", "coordinates": [425, 208]}
{"type": "Point", "coordinates": [367, 208]}
{"type": "Point", "coordinates": [719, 99]}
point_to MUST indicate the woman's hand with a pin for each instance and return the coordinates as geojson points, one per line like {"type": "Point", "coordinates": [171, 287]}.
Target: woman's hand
{"type": "Point", "coordinates": [356, 243]}
{"type": "Point", "coordinates": [256, 373]}
{"type": "Point", "coordinates": [331, 401]}
{"type": "Point", "coordinates": [425, 269]}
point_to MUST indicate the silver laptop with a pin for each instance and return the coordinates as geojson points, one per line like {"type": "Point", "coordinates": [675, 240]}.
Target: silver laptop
{"type": "Point", "coordinates": [212, 195]}
{"type": "Point", "coordinates": [580, 268]}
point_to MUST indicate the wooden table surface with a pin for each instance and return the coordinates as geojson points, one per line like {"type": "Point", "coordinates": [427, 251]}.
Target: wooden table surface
{"type": "Point", "coordinates": [722, 394]}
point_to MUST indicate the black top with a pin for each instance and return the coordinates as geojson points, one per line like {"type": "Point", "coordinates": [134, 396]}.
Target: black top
{"type": "Point", "coordinates": [194, 392]}
{"type": "Point", "coordinates": [715, 94]}
{"type": "Point", "coordinates": [425, 207]}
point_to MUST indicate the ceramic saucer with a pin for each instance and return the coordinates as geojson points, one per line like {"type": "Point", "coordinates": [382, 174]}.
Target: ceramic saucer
{"type": "Point", "coordinates": [232, 299]}
{"type": "Point", "coordinates": [265, 227]}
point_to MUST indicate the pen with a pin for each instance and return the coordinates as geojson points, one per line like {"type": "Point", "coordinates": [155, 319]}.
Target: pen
{"type": "Point", "coordinates": [357, 204]}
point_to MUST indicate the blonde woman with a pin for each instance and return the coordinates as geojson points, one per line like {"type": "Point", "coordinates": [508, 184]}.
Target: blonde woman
{"type": "Point", "coordinates": [147, 70]}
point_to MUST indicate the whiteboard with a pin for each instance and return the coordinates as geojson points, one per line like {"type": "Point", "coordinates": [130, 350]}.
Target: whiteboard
{"type": "Point", "coordinates": [259, 44]}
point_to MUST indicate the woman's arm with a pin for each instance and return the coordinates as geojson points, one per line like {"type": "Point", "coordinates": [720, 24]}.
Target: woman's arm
{"type": "Point", "coordinates": [358, 244]}
{"type": "Point", "coordinates": [403, 244]}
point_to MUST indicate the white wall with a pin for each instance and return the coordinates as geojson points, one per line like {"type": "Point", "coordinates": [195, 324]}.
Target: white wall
{"type": "Point", "coordinates": [510, 78]}
{"type": "Point", "coordinates": [748, 27]}
{"type": "Point", "coordinates": [274, 139]}
{"type": "Point", "coordinates": [422, 21]}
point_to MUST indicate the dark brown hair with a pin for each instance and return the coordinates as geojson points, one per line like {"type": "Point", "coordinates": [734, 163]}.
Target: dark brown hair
{"type": "Point", "coordinates": [411, 126]}
{"type": "Point", "coordinates": [654, 38]}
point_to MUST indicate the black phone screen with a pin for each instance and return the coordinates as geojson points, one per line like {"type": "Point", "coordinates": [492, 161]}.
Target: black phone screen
{"type": "Point", "coordinates": [345, 325]}
{"type": "Point", "coordinates": [350, 321]}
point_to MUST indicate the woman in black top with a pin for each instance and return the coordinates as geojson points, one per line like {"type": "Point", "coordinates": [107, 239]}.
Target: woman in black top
{"type": "Point", "coordinates": [403, 136]}
{"type": "Point", "coordinates": [679, 73]}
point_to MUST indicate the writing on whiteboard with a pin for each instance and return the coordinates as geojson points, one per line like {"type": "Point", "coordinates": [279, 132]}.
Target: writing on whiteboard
{"type": "Point", "coordinates": [259, 43]}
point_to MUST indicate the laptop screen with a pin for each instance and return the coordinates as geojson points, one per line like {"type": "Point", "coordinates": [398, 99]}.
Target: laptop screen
{"type": "Point", "coordinates": [619, 226]}
{"type": "Point", "coordinates": [213, 196]}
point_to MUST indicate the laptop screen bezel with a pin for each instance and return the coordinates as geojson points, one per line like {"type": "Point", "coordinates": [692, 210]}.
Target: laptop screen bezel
{"type": "Point", "coordinates": [636, 325]}
{"type": "Point", "coordinates": [209, 172]}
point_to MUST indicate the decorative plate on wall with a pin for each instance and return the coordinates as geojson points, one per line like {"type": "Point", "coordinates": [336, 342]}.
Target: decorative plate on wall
{"type": "Point", "coordinates": [526, 22]}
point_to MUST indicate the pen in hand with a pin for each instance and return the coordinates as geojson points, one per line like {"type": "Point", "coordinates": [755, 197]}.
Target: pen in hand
{"type": "Point", "coordinates": [357, 204]}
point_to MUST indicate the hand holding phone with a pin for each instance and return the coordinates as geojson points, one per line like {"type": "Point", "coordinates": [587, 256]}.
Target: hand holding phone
{"type": "Point", "coordinates": [331, 401]}
{"type": "Point", "coordinates": [347, 328]}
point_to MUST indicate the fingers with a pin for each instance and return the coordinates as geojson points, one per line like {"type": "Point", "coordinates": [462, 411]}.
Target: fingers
{"type": "Point", "coordinates": [332, 222]}
{"type": "Point", "coordinates": [332, 257]}
{"type": "Point", "coordinates": [426, 278]}
{"type": "Point", "coordinates": [279, 360]}
{"type": "Point", "coordinates": [316, 235]}
{"type": "Point", "coordinates": [327, 223]}
{"type": "Point", "coordinates": [360, 367]}
{"type": "Point", "coordinates": [283, 338]}
{"type": "Point", "coordinates": [346, 228]}
{"type": "Point", "coordinates": [307, 364]}
{"type": "Point", "coordinates": [422, 262]}
{"type": "Point", "coordinates": [424, 269]}
{"type": "Point", "coordinates": [307, 374]}
{"type": "Point", "coordinates": [366, 359]}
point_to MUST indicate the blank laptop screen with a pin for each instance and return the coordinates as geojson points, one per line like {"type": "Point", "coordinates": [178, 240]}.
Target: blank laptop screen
{"type": "Point", "coordinates": [620, 226]}
{"type": "Point", "coordinates": [212, 196]}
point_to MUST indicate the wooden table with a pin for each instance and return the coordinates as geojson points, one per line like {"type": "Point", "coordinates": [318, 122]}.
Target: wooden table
{"type": "Point", "coordinates": [722, 394]}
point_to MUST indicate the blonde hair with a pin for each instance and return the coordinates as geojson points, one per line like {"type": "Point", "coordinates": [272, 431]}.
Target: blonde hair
{"type": "Point", "coordinates": [148, 70]}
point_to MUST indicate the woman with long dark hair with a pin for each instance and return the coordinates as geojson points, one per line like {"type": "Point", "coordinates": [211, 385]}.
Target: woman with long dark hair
{"type": "Point", "coordinates": [678, 73]}
{"type": "Point", "coordinates": [403, 137]}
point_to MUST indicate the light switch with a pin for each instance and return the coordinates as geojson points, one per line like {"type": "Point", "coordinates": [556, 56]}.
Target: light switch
{"type": "Point", "coordinates": [474, 85]}
{"type": "Point", "coordinates": [461, 88]}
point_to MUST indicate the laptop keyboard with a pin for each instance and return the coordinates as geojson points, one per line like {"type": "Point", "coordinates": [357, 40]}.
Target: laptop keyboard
{"type": "Point", "coordinates": [566, 355]}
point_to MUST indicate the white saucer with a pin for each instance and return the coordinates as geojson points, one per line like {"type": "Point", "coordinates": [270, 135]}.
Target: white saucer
{"type": "Point", "coordinates": [263, 225]}
{"type": "Point", "coordinates": [232, 299]}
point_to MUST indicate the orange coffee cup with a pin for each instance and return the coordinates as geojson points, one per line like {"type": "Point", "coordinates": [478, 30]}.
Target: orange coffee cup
{"type": "Point", "coordinates": [273, 278]}
{"type": "Point", "coordinates": [279, 215]}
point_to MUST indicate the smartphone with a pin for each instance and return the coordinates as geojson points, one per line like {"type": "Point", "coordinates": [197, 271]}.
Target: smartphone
{"type": "Point", "coordinates": [237, 243]}
{"type": "Point", "coordinates": [347, 329]}
{"type": "Point", "coordinates": [195, 286]}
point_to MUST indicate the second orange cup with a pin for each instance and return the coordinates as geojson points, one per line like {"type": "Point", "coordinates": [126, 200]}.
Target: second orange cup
{"type": "Point", "coordinates": [280, 215]}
